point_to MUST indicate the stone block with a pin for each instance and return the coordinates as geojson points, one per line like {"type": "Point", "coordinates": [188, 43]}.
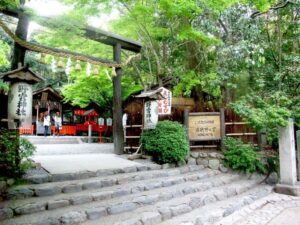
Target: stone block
{"type": "Point", "coordinates": [122, 207]}
{"type": "Point", "coordinates": [130, 169]}
{"type": "Point", "coordinates": [203, 154]}
{"type": "Point", "coordinates": [6, 213]}
{"type": "Point", "coordinates": [84, 175]}
{"type": "Point", "coordinates": [63, 177]}
{"type": "Point", "coordinates": [47, 191]}
{"type": "Point", "coordinates": [180, 209]}
{"type": "Point", "coordinates": [146, 199]}
{"type": "Point", "coordinates": [167, 166]}
{"type": "Point", "coordinates": [167, 183]}
{"type": "Point", "coordinates": [165, 213]}
{"type": "Point", "coordinates": [125, 179]}
{"type": "Point", "coordinates": [293, 190]}
{"type": "Point", "coordinates": [96, 213]}
{"type": "Point", "coordinates": [194, 155]}
{"type": "Point", "coordinates": [214, 164]}
{"type": "Point", "coordinates": [151, 218]}
{"type": "Point", "coordinates": [48, 221]}
{"type": "Point", "coordinates": [154, 167]}
{"type": "Point", "coordinates": [141, 168]}
{"type": "Point", "coordinates": [273, 178]}
{"type": "Point", "coordinates": [203, 162]}
{"type": "Point", "coordinates": [223, 168]}
{"type": "Point", "coordinates": [165, 196]}
{"type": "Point", "coordinates": [10, 181]}
{"type": "Point", "coordinates": [73, 217]}
{"type": "Point", "coordinates": [91, 185]}
{"type": "Point", "coordinates": [30, 208]}
{"type": "Point", "coordinates": [99, 196]}
{"type": "Point", "coordinates": [72, 188]}
{"type": "Point", "coordinates": [184, 169]}
{"type": "Point", "coordinates": [108, 182]}
{"type": "Point", "coordinates": [173, 172]}
{"type": "Point", "coordinates": [38, 179]}
{"type": "Point", "coordinates": [191, 161]}
{"type": "Point", "coordinates": [105, 172]}
{"type": "Point", "coordinates": [20, 193]}
{"type": "Point", "coordinates": [133, 221]}
{"type": "Point", "coordinates": [188, 190]}
{"type": "Point", "coordinates": [181, 163]}
{"type": "Point", "coordinates": [119, 193]}
{"type": "Point", "coordinates": [177, 193]}
{"type": "Point", "coordinates": [137, 189]}
{"type": "Point", "coordinates": [54, 204]}
{"type": "Point", "coordinates": [220, 195]}
{"type": "Point", "coordinates": [191, 177]}
{"type": "Point", "coordinates": [213, 155]}
{"type": "Point", "coordinates": [78, 200]}
{"type": "Point", "coordinates": [153, 185]}
{"type": "Point", "coordinates": [220, 156]}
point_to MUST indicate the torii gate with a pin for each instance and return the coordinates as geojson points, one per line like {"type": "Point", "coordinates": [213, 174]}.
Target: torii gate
{"type": "Point", "coordinates": [117, 42]}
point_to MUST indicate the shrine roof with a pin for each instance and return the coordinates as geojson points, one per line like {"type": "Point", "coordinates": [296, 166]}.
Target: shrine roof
{"type": "Point", "coordinates": [22, 74]}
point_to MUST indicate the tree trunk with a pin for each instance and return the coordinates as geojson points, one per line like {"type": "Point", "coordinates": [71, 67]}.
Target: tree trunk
{"type": "Point", "coordinates": [21, 32]}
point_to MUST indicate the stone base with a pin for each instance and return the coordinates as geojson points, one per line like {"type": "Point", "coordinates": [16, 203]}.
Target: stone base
{"type": "Point", "coordinates": [288, 189]}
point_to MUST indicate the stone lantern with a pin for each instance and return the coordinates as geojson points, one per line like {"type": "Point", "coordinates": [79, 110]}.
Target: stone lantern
{"type": "Point", "coordinates": [19, 109]}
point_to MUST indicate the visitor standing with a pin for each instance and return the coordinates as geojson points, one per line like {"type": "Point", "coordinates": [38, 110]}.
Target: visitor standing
{"type": "Point", "coordinates": [46, 121]}
{"type": "Point", "coordinates": [58, 123]}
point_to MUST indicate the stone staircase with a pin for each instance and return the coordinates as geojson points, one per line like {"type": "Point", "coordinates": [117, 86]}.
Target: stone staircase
{"type": "Point", "coordinates": [37, 140]}
{"type": "Point", "coordinates": [144, 195]}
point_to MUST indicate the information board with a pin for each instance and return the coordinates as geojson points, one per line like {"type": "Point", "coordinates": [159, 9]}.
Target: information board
{"type": "Point", "coordinates": [204, 126]}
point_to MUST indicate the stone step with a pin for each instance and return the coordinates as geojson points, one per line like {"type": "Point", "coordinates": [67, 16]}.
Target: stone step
{"type": "Point", "coordinates": [260, 211]}
{"type": "Point", "coordinates": [48, 178]}
{"type": "Point", "coordinates": [27, 206]}
{"type": "Point", "coordinates": [165, 210]}
{"type": "Point", "coordinates": [212, 212]}
{"type": "Point", "coordinates": [54, 188]}
{"type": "Point", "coordinates": [94, 210]}
{"type": "Point", "coordinates": [53, 140]}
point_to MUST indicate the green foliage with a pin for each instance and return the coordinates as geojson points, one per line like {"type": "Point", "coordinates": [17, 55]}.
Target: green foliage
{"type": "Point", "coordinates": [167, 143]}
{"type": "Point", "coordinates": [4, 86]}
{"type": "Point", "coordinates": [242, 157]}
{"type": "Point", "coordinates": [14, 154]}
{"type": "Point", "coordinates": [4, 54]}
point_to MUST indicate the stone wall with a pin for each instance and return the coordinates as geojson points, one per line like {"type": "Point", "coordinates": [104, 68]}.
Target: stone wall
{"type": "Point", "coordinates": [211, 160]}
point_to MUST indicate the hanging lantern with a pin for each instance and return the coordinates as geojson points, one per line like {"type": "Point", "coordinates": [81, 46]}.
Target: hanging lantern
{"type": "Point", "coordinates": [78, 66]}
{"type": "Point", "coordinates": [60, 63]}
{"type": "Point", "coordinates": [42, 59]}
{"type": "Point", "coordinates": [88, 69]}
{"type": "Point", "coordinates": [96, 70]}
{"type": "Point", "coordinates": [113, 72]}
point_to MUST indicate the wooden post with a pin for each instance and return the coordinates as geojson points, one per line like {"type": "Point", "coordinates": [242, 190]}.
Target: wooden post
{"type": "Point", "coordinates": [117, 104]}
{"type": "Point", "coordinates": [298, 152]}
{"type": "Point", "coordinates": [21, 32]}
{"type": "Point", "coordinates": [223, 131]}
{"type": "Point", "coordinates": [186, 124]}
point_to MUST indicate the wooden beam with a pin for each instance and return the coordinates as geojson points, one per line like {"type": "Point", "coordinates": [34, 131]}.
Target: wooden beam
{"type": "Point", "coordinates": [117, 104]}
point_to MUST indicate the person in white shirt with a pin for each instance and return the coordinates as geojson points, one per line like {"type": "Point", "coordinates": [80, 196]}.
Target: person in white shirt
{"type": "Point", "coordinates": [46, 123]}
{"type": "Point", "coordinates": [57, 122]}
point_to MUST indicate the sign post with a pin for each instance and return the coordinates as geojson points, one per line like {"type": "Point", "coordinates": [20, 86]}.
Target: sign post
{"type": "Point", "coordinates": [204, 126]}
{"type": "Point", "coordinates": [150, 114]}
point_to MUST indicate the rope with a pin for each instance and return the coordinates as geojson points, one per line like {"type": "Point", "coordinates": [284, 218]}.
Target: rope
{"type": "Point", "coordinates": [40, 49]}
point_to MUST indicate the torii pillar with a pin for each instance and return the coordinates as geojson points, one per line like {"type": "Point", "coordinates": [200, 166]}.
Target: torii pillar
{"type": "Point", "coordinates": [117, 104]}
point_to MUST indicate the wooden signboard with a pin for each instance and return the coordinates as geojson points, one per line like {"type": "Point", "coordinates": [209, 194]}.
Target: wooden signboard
{"type": "Point", "coordinates": [204, 126]}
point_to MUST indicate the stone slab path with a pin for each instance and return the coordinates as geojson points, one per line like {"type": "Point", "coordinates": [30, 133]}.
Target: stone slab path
{"type": "Point", "coordinates": [73, 163]}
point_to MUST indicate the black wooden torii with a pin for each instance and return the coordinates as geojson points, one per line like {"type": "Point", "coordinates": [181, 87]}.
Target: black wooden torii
{"type": "Point", "coordinates": [117, 42]}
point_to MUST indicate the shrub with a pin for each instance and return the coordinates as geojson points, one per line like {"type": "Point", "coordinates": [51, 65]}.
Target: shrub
{"type": "Point", "coordinates": [242, 157]}
{"type": "Point", "coordinates": [167, 143]}
{"type": "Point", "coordinates": [14, 154]}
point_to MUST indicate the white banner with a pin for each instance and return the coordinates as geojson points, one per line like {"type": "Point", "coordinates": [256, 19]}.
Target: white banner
{"type": "Point", "coordinates": [164, 105]}
{"type": "Point", "coordinates": [150, 114]}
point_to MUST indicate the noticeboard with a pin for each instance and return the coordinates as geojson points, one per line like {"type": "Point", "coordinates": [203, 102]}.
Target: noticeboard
{"type": "Point", "coordinates": [204, 126]}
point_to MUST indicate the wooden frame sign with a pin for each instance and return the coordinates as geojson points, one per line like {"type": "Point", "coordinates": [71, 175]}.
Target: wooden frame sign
{"type": "Point", "coordinates": [204, 126]}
